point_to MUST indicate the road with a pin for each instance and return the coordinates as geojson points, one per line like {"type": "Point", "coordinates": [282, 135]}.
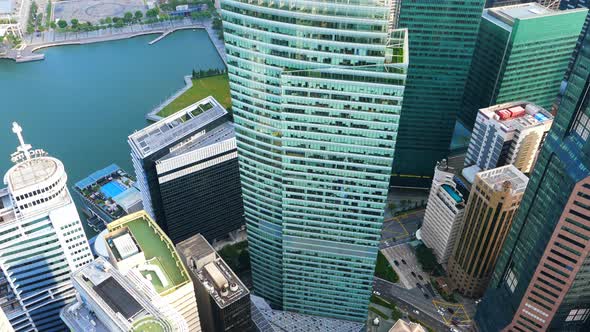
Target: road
{"type": "Point", "coordinates": [409, 300]}
{"type": "Point", "coordinates": [400, 229]}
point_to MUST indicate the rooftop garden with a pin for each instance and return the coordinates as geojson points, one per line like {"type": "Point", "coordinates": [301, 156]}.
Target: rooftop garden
{"type": "Point", "coordinates": [158, 251]}
{"type": "Point", "coordinates": [216, 86]}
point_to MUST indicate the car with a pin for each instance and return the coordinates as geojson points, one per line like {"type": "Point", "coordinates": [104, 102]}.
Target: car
{"type": "Point", "coordinates": [418, 285]}
{"type": "Point", "coordinates": [426, 296]}
{"type": "Point", "coordinates": [413, 274]}
{"type": "Point", "coordinates": [403, 261]}
{"type": "Point", "coordinates": [376, 293]}
{"type": "Point", "coordinates": [420, 277]}
{"type": "Point", "coordinates": [416, 312]}
{"type": "Point", "coordinates": [451, 310]}
{"type": "Point", "coordinates": [396, 263]}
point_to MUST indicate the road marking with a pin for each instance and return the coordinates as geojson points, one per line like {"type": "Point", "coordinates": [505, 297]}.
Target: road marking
{"type": "Point", "coordinates": [459, 311]}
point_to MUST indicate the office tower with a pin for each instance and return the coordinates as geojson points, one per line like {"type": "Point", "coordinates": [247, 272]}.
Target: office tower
{"type": "Point", "coordinates": [138, 248]}
{"type": "Point", "coordinates": [540, 281]}
{"type": "Point", "coordinates": [572, 4]}
{"type": "Point", "coordinates": [510, 133]}
{"type": "Point", "coordinates": [5, 323]}
{"type": "Point", "coordinates": [522, 53]}
{"type": "Point", "coordinates": [41, 240]}
{"type": "Point", "coordinates": [268, 319]}
{"type": "Point", "coordinates": [553, 4]}
{"type": "Point", "coordinates": [223, 300]}
{"type": "Point", "coordinates": [494, 199]}
{"type": "Point", "coordinates": [108, 194]}
{"type": "Point", "coordinates": [444, 214]}
{"type": "Point", "coordinates": [442, 37]}
{"type": "Point", "coordinates": [316, 96]}
{"type": "Point", "coordinates": [187, 171]}
{"type": "Point", "coordinates": [108, 301]}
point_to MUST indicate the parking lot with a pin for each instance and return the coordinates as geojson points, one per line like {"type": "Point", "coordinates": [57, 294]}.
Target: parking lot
{"type": "Point", "coordinates": [94, 10]}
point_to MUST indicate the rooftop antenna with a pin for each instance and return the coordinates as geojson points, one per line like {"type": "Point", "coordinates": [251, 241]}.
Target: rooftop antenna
{"type": "Point", "coordinates": [24, 148]}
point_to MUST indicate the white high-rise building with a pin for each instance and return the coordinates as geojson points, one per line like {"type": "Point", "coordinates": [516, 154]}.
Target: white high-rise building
{"type": "Point", "coordinates": [444, 214]}
{"type": "Point", "coordinates": [41, 240]}
{"type": "Point", "coordinates": [510, 133]}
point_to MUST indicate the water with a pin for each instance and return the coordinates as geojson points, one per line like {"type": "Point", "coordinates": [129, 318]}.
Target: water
{"type": "Point", "coordinates": [82, 102]}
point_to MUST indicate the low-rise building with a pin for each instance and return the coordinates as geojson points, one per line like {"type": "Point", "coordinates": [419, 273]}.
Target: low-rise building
{"type": "Point", "coordinates": [108, 301]}
{"type": "Point", "coordinates": [510, 133]}
{"type": "Point", "coordinates": [403, 326]}
{"type": "Point", "coordinates": [108, 194]}
{"type": "Point", "coordinates": [444, 213]}
{"type": "Point", "coordinates": [223, 300]}
{"type": "Point", "coordinates": [137, 246]}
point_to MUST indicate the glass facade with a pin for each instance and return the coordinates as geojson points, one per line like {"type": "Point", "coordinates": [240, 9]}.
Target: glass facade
{"type": "Point", "coordinates": [316, 92]}
{"type": "Point", "coordinates": [442, 35]}
{"type": "Point", "coordinates": [519, 57]}
{"type": "Point", "coordinates": [563, 162]}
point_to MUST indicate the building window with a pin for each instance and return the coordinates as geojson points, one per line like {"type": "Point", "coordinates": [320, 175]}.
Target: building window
{"type": "Point", "coordinates": [577, 315]}
{"type": "Point", "coordinates": [511, 281]}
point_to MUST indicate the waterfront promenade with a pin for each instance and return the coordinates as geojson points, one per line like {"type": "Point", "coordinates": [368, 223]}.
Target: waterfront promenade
{"type": "Point", "coordinates": [52, 38]}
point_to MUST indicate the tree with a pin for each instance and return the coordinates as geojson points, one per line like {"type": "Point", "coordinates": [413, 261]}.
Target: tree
{"type": "Point", "coordinates": [119, 23]}
{"type": "Point", "coordinates": [74, 23]}
{"type": "Point", "coordinates": [128, 17]}
{"type": "Point", "coordinates": [426, 258]}
{"type": "Point", "coordinates": [62, 24]}
{"type": "Point", "coordinates": [53, 25]}
{"type": "Point", "coordinates": [152, 12]}
{"type": "Point", "coordinates": [138, 15]}
{"type": "Point", "coordinates": [108, 20]}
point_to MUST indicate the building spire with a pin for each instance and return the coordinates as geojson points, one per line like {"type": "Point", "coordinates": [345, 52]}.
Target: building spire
{"type": "Point", "coordinates": [24, 148]}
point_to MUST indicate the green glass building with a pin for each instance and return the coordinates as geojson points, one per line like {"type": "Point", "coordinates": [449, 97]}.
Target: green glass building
{"type": "Point", "coordinates": [442, 35]}
{"type": "Point", "coordinates": [316, 92]}
{"type": "Point", "coordinates": [540, 282]}
{"type": "Point", "coordinates": [522, 53]}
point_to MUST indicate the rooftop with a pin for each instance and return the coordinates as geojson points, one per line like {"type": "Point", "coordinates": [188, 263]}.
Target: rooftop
{"type": "Point", "coordinates": [453, 193]}
{"type": "Point", "coordinates": [221, 133]}
{"type": "Point", "coordinates": [402, 326]}
{"type": "Point", "coordinates": [508, 14]}
{"type": "Point", "coordinates": [116, 296]}
{"type": "Point", "coordinates": [180, 125]}
{"type": "Point", "coordinates": [111, 190]}
{"type": "Point", "coordinates": [33, 171]}
{"type": "Point", "coordinates": [518, 115]}
{"type": "Point", "coordinates": [163, 267]}
{"type": "Point", "coordinates": [211, 271]}
{"type": "Point", "coordinates": [504, 177]}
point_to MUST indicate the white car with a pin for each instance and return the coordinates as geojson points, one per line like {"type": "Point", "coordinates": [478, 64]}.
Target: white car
{"type": "Point", "coordinates": [376, 293]}
{"type": "Point", "coordinates": [416, 312]}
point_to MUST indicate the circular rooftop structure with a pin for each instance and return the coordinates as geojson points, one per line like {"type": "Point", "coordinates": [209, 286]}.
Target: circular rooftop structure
{"type": "Point", "coordinates": [32, 172]}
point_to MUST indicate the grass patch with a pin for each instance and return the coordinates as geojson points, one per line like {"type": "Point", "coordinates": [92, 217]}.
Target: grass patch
{"type": "Point", "coordinates": [216, 86]}
{"type": "Point", "coordinates": [395, 313]}
{"type": "Point", "coordinates": [379, 312]}
{"type": "Point", "coordinates": [383, 270]}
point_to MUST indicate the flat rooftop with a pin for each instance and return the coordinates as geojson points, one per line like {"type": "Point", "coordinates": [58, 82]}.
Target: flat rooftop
{"type": "Point", "coordinates": [214, 274]}
{"type": "Point", "coordinates": [176, 126]}
{"type": "Point", "coordinates": [157, 248]}
{"type": "Point", "coordinates": [500, 176]}
{"type": "Point", "coordinates": [117, 298]}
{"type": "Point", "coordinates": [518, 115]}
{"type": "Point", "coordinates": [223, 132]}
{"type": "Point", "coordinates": [506, 16]}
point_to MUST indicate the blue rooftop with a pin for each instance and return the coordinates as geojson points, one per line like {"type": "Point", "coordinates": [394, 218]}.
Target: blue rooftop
{"type": "Point", "coordinates": [452, 192]}
{"type": "Point", "coordinates": [97, 176]}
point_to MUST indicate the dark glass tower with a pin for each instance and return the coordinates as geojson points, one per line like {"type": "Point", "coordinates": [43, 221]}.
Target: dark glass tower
{"type": "Point", "coordinates": [541, 279]}
{"type": "Point", "coordinates": [442, 37]}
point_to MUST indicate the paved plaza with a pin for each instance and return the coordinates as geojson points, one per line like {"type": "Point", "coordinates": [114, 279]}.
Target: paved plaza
{"type": "Point", "coordinates": [94, 10]}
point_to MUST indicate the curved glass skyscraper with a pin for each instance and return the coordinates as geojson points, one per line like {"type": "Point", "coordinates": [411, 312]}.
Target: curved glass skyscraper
{"type": "Point", "coordinates": [316, 90]}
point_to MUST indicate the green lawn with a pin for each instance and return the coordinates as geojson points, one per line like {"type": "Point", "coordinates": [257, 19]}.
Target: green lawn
{"type": "Point", "coordinates": [383, 270]}
{"type": "Point", "coordinates": [216, 86]}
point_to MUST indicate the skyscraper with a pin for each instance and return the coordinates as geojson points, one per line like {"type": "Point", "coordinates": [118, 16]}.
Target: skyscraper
{"type": "Point", "coordinates": [444, 214]}
{"type": "Point", "coordinates": [223, 300]}
{"type": "Point", "coordinates": [510, 133]}
{"type": "Point", "coordinates": [108, 301]}
{"type": "Point", "coordinates": [572, 4]}
{"type": "Point", "coordinates": [522, 53]}
{"type": "Point", "coordinates": [316, 93]}
{"type": "Point", "coordinates": [41, 241]}
{"type": "Point", "coordinates": [495, 196]}
{"type": "Point", "coordinates": [442, 37]}
{"type": "Point", "coordinates": [553, 4]}
{"type": "Point", "coordinates": [541, 278]}
{"type": "Point", "coordinates": [187, 169]}
{"type": "Point", "coordinates": [140, 250]}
